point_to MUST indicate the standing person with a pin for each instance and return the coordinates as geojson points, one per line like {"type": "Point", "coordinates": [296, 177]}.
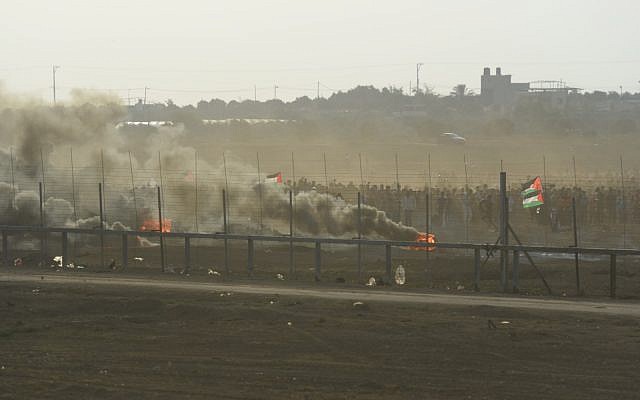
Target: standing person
{"type": "Point", "coordinates": [443, 207]}
{"type": "Point", "coordinates": [408, 206]}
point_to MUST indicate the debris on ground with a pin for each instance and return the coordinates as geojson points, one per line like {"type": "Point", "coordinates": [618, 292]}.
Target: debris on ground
{"type": "Point", "coordinates": [36, 291]}
{"type": "Point", "coordinates": [400, 275]}
{"type": "Point", "coordinates": [56, 262]}
{"type": "Point", "coordinates": [460, 287]}
{"type": "Point", "coordinates": [505, 322]}
{"type": "Point", "coordinates": [280, 277]}
{"type": "Point", "coordinates": [139, 259]}
{"type": "Point", "coordinates": [289, 323]}
{"type": "Point", "coordinates": [359, 304]}
{"type": "Point", "coordinates": [371, 282]}
{"type": "Point", "coordinates": [17, 262]}
{"type": "Point", "coordinates": [80, 266]}
{"type": "Point", "coordinates": [267, 251]}
{"type": "Point", "coordinates": [213, 272]}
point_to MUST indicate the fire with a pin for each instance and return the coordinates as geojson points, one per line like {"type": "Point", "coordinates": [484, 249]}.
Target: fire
{"type": "Point", "coordinates": [425, 238]}
{"type": "Point", "coordinates": [154, 225]}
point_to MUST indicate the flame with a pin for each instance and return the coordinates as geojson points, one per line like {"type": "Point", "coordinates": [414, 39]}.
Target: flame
{"type": "Point", "coordinates": [425, 238]}
{"type": "Point", "coordinates": [154, 225]}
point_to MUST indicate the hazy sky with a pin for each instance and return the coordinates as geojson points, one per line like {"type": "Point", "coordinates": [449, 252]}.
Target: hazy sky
{"type": "Point", "coordinates": [193, 49]}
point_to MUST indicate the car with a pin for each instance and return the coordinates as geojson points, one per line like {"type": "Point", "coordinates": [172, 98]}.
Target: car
{"type": "Point", "coordinates": [450, 137]}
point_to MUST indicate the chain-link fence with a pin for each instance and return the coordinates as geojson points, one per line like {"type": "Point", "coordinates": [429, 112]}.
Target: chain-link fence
{"type": "Point", "coordinates": [461, 207]}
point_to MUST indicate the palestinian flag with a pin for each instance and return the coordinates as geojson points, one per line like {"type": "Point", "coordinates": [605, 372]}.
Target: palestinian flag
{"type": "Point", "coordinates": [274, 178]}
{"type": "Point", "coordinates": [532, 194]}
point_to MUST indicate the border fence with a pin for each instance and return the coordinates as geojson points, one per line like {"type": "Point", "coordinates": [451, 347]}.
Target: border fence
{"type": "Point", "coordinates": [598, 216]}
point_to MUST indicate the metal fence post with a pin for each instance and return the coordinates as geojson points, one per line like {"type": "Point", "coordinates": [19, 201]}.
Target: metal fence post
{"type": "Point", "coordinates": [5, 248]}
{"type": "Point", "coordinates": [250, 254]}
{"type": "Point", "coordinates": [161, 229]}
{"type": "Point", "coordinates": [125, 250]}
{"type": "Point", "coordinates": [359, 236]}
{"type": "Point", "coordinates": [476, 269]}
{"type": "Point", "coordinates": [318, 261]}
{"type": "Point", "coordinates": [226, 231]}
{"type": "Point", "coordinates": [65, 248]}
{"type": "Point", "coordinates": [101, 226]}
{"type": "Point", "coordinates": [387, 251]}
{"type": "Point", "coordinates": [575, 243]}
{"type": "Point", "coordinates": [43, 234]}
{"type": "Point", "coordinates": [504, 233]}
{"type": "Point", "coordinates": [187, 253]}
{"type": "Point", "coordinates": [514, 272]}
{"type": "Point", "coordinates": [612, 276]}
{"type": "Point", "coordinates": [291, 256]}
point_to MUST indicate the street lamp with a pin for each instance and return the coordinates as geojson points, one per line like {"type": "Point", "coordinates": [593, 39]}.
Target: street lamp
{"type": "Point", "coordinates": [54, 69]}
{"type": "Point", "coordinates": [418, 65]}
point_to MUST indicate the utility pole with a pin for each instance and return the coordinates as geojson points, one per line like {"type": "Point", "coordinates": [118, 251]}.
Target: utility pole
{"type": "Point", "coordinates": [275, 92]}
{"type": "Point", "coordinates": [54, 68]}
{"type": "Point", "coordinates": [255, 93]}
{"type": "Point", "coordinates": [318, 91]}
{"type": "Point", "coordinates": [418, 65]}
{"type": "Point", "coordinates": [144, 105]}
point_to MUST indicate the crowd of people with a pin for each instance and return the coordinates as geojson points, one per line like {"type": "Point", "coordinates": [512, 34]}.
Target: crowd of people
{"type": "Point", "coordinates": [478, 205]}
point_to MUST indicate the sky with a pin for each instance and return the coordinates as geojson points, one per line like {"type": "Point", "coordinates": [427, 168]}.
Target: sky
{"type": "Point", "coordinates": [202, 49]}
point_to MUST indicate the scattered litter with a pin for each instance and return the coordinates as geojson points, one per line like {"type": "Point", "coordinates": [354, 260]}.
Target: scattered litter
{"type": "Point", "coordinates": [139, 259]}
{"type": "Point", "coordinates": [505, 322]}
{"type": "Point", "coordinates": [401, 277]}
{"type": "Point", "coordinates": [460, 287]}
{"type": "Point", "coordinates": [104, 372]}
{"type": "Point", "coordinates": [371, 282]}
{"type": "Point", "coordinates": [267, 251]}
{"type": "Point", "coordinates": [80, 266]}
{"type": "Point", "coordinates": [3, 368]}
{"type": "Point", "coordinates": [57, 262]}
{"type": "Point", "coordinates": [289, 323]}
{"type": "Point", "coordinates": [225, 294]}
{"type": "Point", "coordinates": [36, 291]}
{"type": "Point", "coordinates": [17, 262]}
{"type": "Point", "coordinates": [213, 272]}
{"type": "Point", "coordinates": [280, 276]}
{"type": "Point", "coordinates": [360, 305]}
{"type": "Point", "coordinates": [70, 266]}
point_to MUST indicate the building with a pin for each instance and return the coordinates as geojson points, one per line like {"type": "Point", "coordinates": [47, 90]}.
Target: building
{"type": "Point", "coordinates": [498, 91]}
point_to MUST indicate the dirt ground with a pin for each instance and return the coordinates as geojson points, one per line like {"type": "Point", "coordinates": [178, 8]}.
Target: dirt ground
{"type": "Point", "coordinates": [94, 341]}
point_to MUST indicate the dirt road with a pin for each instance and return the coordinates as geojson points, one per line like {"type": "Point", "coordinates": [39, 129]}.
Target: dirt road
{"type": "Point", "coordinates": [625, 308]}
{"type": "Point", "coordinates": [104, 336]}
